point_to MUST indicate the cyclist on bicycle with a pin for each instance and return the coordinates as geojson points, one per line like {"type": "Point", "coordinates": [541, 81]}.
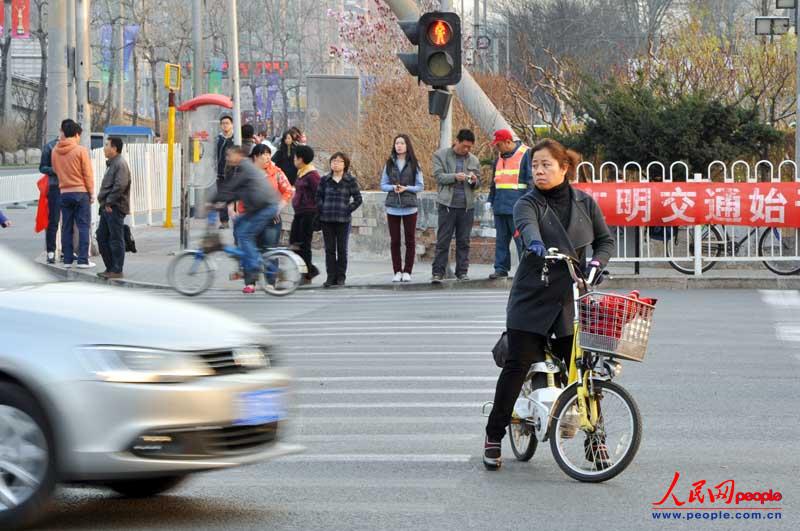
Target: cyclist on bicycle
{"type": "Point", "coordinates": [261, 202]}
{"type": "Point", "coordinates": [553, 214]}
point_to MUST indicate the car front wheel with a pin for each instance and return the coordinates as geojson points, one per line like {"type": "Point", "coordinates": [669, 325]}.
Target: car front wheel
{"type": "Point", "coordinates": [27, 458]}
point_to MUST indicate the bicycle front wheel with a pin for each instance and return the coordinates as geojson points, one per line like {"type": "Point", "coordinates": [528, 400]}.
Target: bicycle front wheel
{"type": "Point", "coordinates": [679, 246]}
{"type": "Point", "coordinates": [190, 273]}
{"type": "Point", "coordinates": [605, 453]}
{"type": "Point", "coordinates": [781, 245]}
{"type": "Point", "coordinates": [282, 273]}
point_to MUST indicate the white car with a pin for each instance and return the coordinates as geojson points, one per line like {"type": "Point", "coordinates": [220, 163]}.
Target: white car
{"type": "Point", "coordinates": [112, 387]}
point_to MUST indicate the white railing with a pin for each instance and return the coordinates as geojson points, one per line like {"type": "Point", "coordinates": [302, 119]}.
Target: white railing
{"type": "Point", "coordinates": [692, 246]}
{"type": "Point", "coordinates": [18, 188]}
{"type": "Point", "coordinates": [148, 164]}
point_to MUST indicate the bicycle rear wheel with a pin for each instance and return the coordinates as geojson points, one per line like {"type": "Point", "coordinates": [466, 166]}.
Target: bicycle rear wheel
{"type": "Point", "coordinates": [523, 440]}
{"type": "Point", "coordinates": [680, 245]}
{"type": "Point", "coordinates": [282, 273]}
{"type": "Point", "coordinates": [190, 273]}
{"type": "Point", "coordinates": [603, 454]}
{"type": "Point", "coordinates": [779, 243]}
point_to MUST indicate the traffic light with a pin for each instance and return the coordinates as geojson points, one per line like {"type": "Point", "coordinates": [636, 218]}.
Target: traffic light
{"type": "Point", "coordinates": [438, 59]}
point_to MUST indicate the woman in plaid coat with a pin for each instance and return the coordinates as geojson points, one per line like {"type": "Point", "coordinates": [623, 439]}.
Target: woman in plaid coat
{"type": "Point", "coordinates": [338, 195]}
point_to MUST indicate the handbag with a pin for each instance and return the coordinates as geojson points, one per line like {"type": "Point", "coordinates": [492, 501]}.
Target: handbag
{"type": "Point", "coordinates": [500, 350]}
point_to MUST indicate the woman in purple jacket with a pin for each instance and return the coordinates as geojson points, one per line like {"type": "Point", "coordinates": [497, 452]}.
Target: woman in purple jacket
{"type": "Point", "coordinates": [304, 204]}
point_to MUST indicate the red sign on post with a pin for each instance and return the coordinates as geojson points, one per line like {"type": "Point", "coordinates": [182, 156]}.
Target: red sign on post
{"type": "Point", "coordinates": [20, 19]}
{"type": "Point", "coordinates": [688, 203]}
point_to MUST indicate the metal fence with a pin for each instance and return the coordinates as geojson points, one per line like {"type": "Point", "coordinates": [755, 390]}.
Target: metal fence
{"type": "Point", "coordinates": [694, 249]}
{"type": "Point", "coordinates": [18, 188]}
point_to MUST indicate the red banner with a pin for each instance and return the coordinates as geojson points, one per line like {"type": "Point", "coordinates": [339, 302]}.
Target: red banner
{"type": "Point", "coordinates": [687, 203]}
{"type": "Point", "coordinates": [20, 19]}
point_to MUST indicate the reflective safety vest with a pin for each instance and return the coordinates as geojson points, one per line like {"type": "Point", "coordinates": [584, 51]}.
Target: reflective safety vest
{"type": "Point", "coordinates": [506, 174]}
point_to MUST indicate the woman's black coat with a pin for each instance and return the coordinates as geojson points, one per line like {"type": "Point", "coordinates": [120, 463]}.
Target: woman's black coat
{"type": "Point", "coordinates": [532, 306]}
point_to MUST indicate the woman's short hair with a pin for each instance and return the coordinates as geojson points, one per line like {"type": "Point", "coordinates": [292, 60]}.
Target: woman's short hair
{"type": "Point", "coordinates": [345, 158]}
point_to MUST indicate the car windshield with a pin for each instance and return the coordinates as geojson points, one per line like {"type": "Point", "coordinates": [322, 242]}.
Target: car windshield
{"type": "Point", "coordinates": [17, 271]}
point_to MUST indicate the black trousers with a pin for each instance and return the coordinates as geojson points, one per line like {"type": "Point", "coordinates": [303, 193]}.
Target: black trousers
{"type": "Point", "coordinates": [336, 236]}
{"type": "Point", "coordinates": [53, 217]}
{"type": "Point", "coordinates": [300, 235]}
{"type": "Point", "coordinates": [524, 349]}
{"type": "Point", "coordinates": [458, 221]}
{"type": "Point", "coordinates": [224, 217]}
{"type": "Point", "coordinates": [111, 239]}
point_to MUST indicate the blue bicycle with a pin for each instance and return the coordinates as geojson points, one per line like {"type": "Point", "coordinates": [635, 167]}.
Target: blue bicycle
{"type": "Point", "coordinates": [192, 272]}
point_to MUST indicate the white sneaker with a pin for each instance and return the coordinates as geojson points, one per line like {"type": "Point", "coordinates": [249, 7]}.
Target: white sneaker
{"type": "Point", "coordinates": [51, 258]}
{"type": "Point", "coordinates": [406, 277]}
{"type": "Point", "coordinates": [88, 265]}
{"type": "Point", "coordinates": [67, 266]}
{"type": "Point", "coordinates": [398, 277]}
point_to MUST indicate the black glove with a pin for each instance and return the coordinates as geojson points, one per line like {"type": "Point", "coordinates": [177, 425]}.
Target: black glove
{"type": "Point", "coordinates": [592, 271]}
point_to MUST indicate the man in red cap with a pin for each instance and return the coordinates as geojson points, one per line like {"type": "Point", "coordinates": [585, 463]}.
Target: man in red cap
{"type": "Point", "coordinates": [512, 179]}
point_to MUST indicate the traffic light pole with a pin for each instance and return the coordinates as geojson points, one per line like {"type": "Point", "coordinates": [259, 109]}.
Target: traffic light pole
{"type": "Point", "coordinates": [446, 123]}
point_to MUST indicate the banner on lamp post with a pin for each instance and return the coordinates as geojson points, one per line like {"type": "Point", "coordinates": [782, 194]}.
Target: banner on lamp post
{"type": "Point", "coordinates": [20, 19]}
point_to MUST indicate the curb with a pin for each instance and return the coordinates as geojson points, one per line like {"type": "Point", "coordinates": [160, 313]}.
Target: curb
{"type": "Point", "coordinates": [618, 282]}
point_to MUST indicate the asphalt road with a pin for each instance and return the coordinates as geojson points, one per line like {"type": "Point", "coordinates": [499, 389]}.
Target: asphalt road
{"type": "Point", "coordinates": [387, 401]}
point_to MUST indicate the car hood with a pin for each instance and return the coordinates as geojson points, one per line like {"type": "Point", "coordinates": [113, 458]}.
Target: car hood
{"type": "Point", "coordinates": [86, 314]}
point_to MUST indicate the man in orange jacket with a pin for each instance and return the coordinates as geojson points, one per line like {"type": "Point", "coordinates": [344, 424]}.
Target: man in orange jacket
{"type": "Point", "coordinates": [73, 167]}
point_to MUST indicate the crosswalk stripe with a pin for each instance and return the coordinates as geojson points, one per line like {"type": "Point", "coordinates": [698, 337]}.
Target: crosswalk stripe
{"type": "Point", "coordinates": [389, 405]}
{"type": "Point", "coordinates": [375, 458]}
{"type": "Point", "coordinates": [325, 379]}
{"type": "Point", "coordinates": [393, 391]}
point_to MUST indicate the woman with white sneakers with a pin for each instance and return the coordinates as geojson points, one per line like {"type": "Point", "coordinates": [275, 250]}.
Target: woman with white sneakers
{"type": "Point", "coordinates": [402, 180]}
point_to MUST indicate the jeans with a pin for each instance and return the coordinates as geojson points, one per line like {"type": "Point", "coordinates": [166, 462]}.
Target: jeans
{"type": "Point", "coordinates": [53, 216]}
{"type": "Point", "coordinates": [458, 221]}
{"type": "Point", "coordinates": [75, 209]}
{"type": "Point", "coordinates": [409, 224]}
{"type": "Point", "coordinates": [247, 227]}
{"type": "Point", "coordinates": [524, 348]}
{"type": "Point", "coordinates": [301, 234]}
{"type": "Point", "coordinates": [111, 239]}
{"type": "Point", "coordinates": [336, 236]}
{"type": "Point", "coordinates": [504, 227]}
{"type": "Point", "coordinates": [271, 236]}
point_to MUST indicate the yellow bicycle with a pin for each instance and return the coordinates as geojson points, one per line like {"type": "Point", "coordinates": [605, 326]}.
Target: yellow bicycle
{"type": "Point", "coordinates": [593, 424]}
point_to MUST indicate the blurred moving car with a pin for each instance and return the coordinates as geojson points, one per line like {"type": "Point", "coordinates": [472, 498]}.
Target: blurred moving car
{"type": "Point", "coordinates": [117, 388]}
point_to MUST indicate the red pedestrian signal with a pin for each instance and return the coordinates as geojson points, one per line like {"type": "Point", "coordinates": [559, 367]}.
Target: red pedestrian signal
{"type": "Point", "coordinates": [439, 33]}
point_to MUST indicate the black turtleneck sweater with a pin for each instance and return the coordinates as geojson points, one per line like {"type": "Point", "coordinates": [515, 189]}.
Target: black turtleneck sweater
{"type": "Point", "coordinates": [559, 199]}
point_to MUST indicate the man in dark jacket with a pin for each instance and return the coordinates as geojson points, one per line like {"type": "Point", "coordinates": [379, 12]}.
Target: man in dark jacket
{"type": "Point", "coordinates": [261, 200]}
{"type": "Point", "coordinates": [224, 142]}
{"type": "Point", "coordinates": [248, 137]}
{"type": "Point", "coordinates": [114, 199]}
{"type": "Point", "coordinates": [53, 194]}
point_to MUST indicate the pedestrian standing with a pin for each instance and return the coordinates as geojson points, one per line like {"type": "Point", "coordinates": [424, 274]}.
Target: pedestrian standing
{"type": "Point", "coordinates": [304, 204]}
{"type": "Point", "coordinates": [284, 158]}
{"type": "Point", "coordinates": [402, 180]}
{"type": "Point", "coordinates": [73, 166]}
{"type": "Point", "coordinates": [511, 180]}
{"type": "Point", "coordinates": [53, 194]}
{"type": "Point", "coordinates": [224, 142]}
{"type": "Point", "coordinates": [115, 200]}
{"type": "Point", "coordinates": [4, 221]}
{"type": "Point", "coordinates": [261, 157]}
{"type": "Point", "coordinates": [457, 172]}
{"type": "Point", "coordinates": [338, 196]}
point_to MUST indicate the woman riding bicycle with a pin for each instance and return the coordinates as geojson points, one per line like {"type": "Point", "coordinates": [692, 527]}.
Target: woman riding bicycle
{"type": "Point", "coordinates": [553, 214]}
{"type": "Point", "coordinates": [261, 202]}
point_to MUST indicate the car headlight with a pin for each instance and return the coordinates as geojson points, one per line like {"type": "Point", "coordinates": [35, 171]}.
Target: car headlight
{"type": "Point", "coordinates": [141, 365]}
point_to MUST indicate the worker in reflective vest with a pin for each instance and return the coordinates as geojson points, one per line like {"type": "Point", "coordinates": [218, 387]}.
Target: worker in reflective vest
{"type": "Point", "coordinates": [512, 179]}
